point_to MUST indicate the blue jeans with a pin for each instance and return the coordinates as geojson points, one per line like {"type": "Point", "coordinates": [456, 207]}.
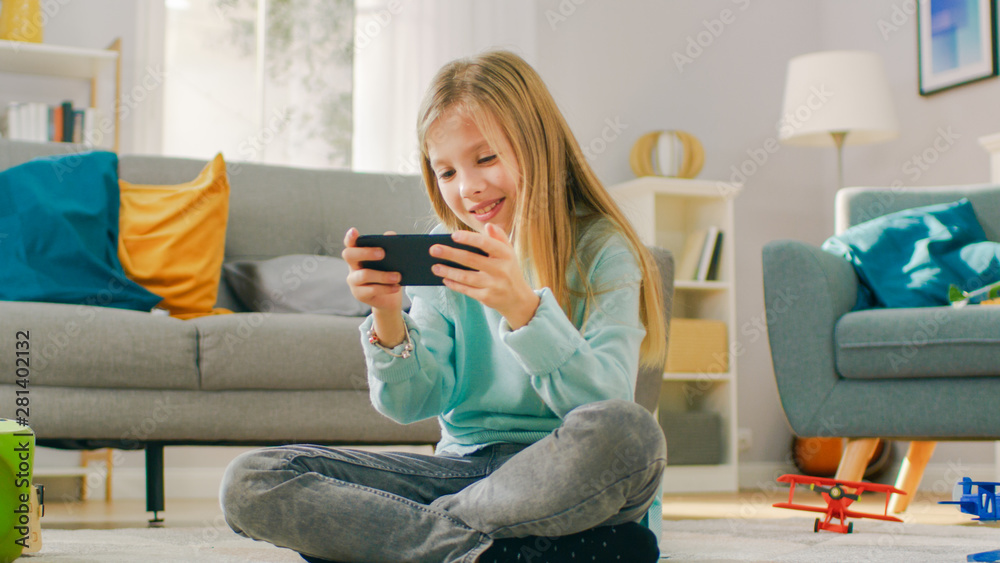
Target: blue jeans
{"type": "Point", "coordinates": [601, 467]}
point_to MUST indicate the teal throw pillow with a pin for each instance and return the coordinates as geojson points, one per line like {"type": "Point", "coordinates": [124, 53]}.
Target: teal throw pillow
{"type": "Point", "coordinates": [59, 234]}
{"type": "Point", "coordinates": [910, 257]}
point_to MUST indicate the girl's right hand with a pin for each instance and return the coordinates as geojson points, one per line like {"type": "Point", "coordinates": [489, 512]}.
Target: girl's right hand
{"type": "Point", "coordinates": [379, 290]}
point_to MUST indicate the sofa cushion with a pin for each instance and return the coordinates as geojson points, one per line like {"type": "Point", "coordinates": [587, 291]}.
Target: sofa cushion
{"type": "Point", "coordinates": [100, 347]}
{"type": "Point", "coordinates": [172, 239]}
{"type": "Point", "coordinates": [59, 232]}
{"type": "Point", "coordinates": [297, 283]}
{"type": "Point", "coordinates": [280, 351]}
{"type": "Point", "coordinates": [919, 342]}
{"type": "Point", "coordinates": [125, 418]}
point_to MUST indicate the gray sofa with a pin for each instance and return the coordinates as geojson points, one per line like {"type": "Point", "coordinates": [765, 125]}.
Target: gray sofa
{"type": "Point", "coordinates": [134, 380]}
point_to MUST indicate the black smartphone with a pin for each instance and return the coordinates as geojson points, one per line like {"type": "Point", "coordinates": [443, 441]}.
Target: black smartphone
{"type": "Point", "coordinates": [410, 256]}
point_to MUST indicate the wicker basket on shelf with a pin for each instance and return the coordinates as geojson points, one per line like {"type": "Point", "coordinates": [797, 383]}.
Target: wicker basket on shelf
{"type": "Point", "coordinates": [697, 346]}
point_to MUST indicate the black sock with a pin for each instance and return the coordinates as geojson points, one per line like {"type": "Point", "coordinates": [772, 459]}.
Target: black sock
{"type": "Point", "coordinates": [625, 543]}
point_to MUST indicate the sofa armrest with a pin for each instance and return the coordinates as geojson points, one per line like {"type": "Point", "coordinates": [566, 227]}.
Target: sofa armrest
{"type": "Point", "coordinates": [649, 381]}
{"type": "Point", "coordinates": [806, 290]}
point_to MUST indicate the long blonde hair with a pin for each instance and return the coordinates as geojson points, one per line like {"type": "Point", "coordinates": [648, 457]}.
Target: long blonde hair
{"type": "Point", "coordinates": [506, 98]}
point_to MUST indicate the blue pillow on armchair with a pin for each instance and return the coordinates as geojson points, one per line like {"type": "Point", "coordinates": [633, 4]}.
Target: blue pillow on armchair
{"type": "Point", "coordinates": [59, 234]}
{"type": "Point", "coordinates": [910, 257]}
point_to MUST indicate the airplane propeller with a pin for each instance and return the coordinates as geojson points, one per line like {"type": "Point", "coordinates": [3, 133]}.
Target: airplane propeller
{"type": "Point", "coordinates": [836, 492]}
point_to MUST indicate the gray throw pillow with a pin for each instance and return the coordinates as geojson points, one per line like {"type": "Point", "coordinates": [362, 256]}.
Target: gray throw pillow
{"type": "Point", "coordinates": [297, 283]}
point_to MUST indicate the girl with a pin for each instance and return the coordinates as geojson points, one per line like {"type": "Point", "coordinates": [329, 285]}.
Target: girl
{"type": "Point", "coordinates": [529, 362]}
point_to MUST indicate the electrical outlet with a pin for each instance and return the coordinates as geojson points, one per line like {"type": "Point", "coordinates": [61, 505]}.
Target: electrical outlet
{"type": "Point", "coordinates": [744, 439]}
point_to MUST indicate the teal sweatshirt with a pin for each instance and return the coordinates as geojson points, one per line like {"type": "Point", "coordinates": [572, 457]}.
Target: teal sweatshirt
{"type": "Point", "coordinates": [489, 384]}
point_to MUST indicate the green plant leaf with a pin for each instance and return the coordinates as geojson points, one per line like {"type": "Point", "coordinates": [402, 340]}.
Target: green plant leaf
{"type": "Point", "coordinates": [955, 294]}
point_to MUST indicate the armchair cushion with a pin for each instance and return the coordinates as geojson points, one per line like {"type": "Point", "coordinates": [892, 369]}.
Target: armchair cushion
{"type": "Point", "coordinates": [910, 257]}
{"type": "Point", "coordinates": [919, 342]}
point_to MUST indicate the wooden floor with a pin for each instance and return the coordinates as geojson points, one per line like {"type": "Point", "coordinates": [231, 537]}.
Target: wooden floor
{"type": "Point", "coordinates": [747, 504]}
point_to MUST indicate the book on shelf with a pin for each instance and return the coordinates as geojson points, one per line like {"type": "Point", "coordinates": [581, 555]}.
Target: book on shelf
{"type": "Point", "coordinates": [687, 265]}
{"type": "Point", "coordinates": [713, 266]}
{"type": "Point", "coordinates": [36, 121]}
{"type": "Point", "coordinates": [57, 123]}
{"type": "Point", "coordinates": [67, 121]}
{"type": "Point", "coordinates": [712, 240]}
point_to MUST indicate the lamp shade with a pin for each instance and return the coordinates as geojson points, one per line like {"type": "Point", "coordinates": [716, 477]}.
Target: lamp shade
{"type": "Point", "coordinates": [837, 92]}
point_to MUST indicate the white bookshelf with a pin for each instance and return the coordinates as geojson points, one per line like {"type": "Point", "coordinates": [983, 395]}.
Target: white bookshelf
{"type": "Point", "coordinates": [101, 67]}
{"type": "Point", "coordinates": [702, 285]}
{"type": "Point", "coordinates": [664, 212]}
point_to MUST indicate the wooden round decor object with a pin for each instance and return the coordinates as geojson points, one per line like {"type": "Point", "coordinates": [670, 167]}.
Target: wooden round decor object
{"type": "Point", "coordinates": [674, 154]}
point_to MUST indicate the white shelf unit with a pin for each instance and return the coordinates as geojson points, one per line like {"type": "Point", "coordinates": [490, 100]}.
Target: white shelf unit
{"type": "Point", "coordinates": [99, 66]}
{"type": "Point", "coordinates": [664, 212]}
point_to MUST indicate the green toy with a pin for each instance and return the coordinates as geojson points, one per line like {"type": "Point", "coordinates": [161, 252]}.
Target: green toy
{"type": "Point", "coordinates": [17, 452]}
{"type": "Point", "coordinates": [959, 298]}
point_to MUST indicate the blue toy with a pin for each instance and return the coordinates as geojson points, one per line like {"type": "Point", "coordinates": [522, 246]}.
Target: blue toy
{"type": "Point", "coordinates": [982, 504]}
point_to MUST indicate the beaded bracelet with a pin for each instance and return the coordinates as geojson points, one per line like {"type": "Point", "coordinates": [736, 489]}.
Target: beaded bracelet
{"type": "Point", "coordinates": [373, 339]}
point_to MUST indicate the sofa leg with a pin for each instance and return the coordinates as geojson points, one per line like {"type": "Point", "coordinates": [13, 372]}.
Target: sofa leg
{"type": "Point", "coordinates": [910, 472]}
{"type": "Point", "coordinates": [855, 458]}
{"type": "Point", "coordinates": [154, 482]}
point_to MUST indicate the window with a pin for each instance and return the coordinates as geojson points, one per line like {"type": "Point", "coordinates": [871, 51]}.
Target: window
{"type": "Point", "coordinates": [260, 80]}
{"type": "Point", "coordinates": [399, 47]}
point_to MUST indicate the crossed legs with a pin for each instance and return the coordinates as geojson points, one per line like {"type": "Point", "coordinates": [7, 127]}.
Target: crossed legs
{"type": "Point", "coordinates": [601, 467]}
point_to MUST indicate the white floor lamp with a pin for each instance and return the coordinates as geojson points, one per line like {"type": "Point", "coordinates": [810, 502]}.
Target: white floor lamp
{"type": "Point", "coordinates": [837, 98]}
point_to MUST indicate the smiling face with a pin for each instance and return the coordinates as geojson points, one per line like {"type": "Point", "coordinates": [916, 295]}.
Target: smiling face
{"type": "Point", "coordinates": [471, 178]}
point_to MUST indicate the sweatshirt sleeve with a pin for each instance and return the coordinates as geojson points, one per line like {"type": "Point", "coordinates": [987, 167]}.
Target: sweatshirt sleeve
{"type": "Point", "coordinates": [570, 367]}
{"type": "Point", "coordinates": [420, 386]}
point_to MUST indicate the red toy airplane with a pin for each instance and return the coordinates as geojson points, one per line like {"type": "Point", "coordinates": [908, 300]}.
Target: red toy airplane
{"type": "Point", "coordinates": [837, 500]}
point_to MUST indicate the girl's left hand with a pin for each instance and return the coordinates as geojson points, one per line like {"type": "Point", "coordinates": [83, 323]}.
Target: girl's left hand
{"type": "Point", "coordinates": [498, 283]}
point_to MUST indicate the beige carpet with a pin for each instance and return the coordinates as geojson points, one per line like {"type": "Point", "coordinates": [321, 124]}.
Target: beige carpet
{"type": "Point", "coordinates": [162, 545]}
{"type": "Point", "coordinates": [790, 539]}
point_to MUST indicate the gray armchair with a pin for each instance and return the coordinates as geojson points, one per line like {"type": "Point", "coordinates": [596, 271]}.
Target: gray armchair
{"type": "Point", "coordinates": [921, 374]}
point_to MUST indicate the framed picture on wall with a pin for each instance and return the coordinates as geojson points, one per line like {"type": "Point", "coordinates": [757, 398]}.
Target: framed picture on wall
{"type": "Point", "coordinates": [956, 42]}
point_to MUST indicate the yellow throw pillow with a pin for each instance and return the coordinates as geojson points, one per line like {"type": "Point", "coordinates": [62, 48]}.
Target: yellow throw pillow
{"type": "Point", "coordinates": [172, 239]}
